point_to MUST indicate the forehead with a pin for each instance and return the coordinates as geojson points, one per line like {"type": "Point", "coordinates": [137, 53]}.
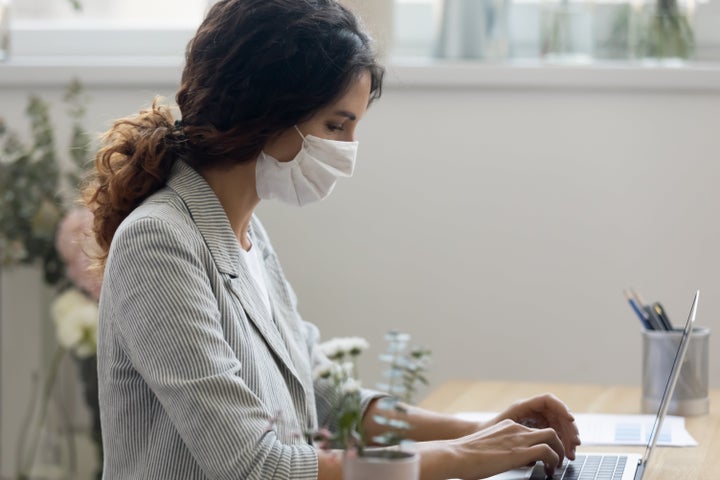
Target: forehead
{"type": "Point", "coordinates": [357, 96]}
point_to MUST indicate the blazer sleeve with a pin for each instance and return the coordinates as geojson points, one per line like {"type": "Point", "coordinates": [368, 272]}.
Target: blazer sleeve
{"type": "Point", "coordinates": [169, 324]}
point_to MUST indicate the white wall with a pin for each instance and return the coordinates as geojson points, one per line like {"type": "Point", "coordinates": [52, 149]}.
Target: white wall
{"type": "Point", "coordinates": [498, 227]}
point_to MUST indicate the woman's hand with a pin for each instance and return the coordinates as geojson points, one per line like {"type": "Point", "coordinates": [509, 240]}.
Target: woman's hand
{"type": "Point", "coordinates": [540, 428]}
{"type": "Point", "coordinates": [546, 411]}
{"type": "Point", "coordinates": [504, 446]}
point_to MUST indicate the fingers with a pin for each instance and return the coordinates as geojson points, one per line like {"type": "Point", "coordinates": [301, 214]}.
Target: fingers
{"type": "Point", "coordinates": [570, 437]}
{"type": "Point", "coordinates": [542, 453]}
{"type": "Point", "coordinates": [549, 438]}
{"type": "Point", "coordinates": [507, 445]}
{"type": "Point", "coordinates": [547, 402]}
{"type": "Point", "coordinates": [549, 411]}
{"type": "Point", "coordinates": [543, 443]}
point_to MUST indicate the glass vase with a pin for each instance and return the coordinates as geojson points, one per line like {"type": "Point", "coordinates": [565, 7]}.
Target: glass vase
{"type": "Point", "coordinates": [45, 448]}
{"type": "Point", "coordinates": [663, 30]}
{"type": "Point", "coordinates": [612, 31]}
{"type": "Point", "coordinates": [566, 31]}
{"type": "Point", "coordinates": [372, 465]}
{"type": "Point", "coordinates": [4, 30]}
{"type": "Point", "coordinates": [474, 29]}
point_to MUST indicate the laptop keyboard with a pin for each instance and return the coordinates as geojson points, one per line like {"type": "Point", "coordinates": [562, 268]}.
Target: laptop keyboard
{"type": "Point", "coordinates": [592, 467]}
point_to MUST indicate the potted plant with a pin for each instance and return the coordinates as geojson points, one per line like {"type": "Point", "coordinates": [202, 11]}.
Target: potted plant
{"type": "Point", "coordinates": [406, 369]}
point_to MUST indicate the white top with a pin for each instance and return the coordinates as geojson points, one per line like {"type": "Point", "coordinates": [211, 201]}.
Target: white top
{"type": "Point", "coordinates": [257, 273]}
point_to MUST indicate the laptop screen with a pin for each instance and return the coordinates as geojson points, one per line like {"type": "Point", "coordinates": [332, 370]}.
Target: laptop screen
{"type": "Point", "coordinates": [672, 381]}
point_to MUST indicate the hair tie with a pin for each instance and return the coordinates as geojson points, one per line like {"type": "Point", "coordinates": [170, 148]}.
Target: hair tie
{"type": "Point", "coordinates": [177, 133]}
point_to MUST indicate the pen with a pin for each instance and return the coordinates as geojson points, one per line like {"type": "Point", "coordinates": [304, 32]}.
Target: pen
{"type": "Point", "coordinates": [642, 315]}
{"type": "Point", "coordinates": [653, 318]}
{"type": "Point", "coordinates": [662, 315]}
{"type": "Point", "coordinates": [637, 297]}
{"type": "Point", "coordinates": [655, 321]}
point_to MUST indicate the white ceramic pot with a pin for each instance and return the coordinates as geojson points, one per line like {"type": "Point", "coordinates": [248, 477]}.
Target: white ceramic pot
{"type": "Point", "coordinates": [382, 464]}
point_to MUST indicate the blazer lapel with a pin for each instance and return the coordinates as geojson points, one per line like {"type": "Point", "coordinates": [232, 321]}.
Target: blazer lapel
{"type": "Point", "coordinates": [256, 311]}
{"type": "Point", "coordinates": [210, 218]}
{"type": "Point", "coordinates": [285, 315]}
{"type": "Point", "coordinates": [288, 321]}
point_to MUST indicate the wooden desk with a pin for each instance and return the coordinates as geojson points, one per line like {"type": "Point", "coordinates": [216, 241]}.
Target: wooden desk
{"type": "Point", "coordinates": [702, 462]}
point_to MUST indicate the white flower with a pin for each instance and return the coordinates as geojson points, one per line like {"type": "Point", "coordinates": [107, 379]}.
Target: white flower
{"type": "Point", "coordinates": [351, 386]}
{"type": "Point", "coordinates": [348, 368]}
{"type": "Point", "coordinates": [338, 347]}
{"type": "Point", "coordinates": [323, 371]}
{"type": "Point", "coordinates": [76, 318]}
{"type": "Point", "coordinates": [329, 370]}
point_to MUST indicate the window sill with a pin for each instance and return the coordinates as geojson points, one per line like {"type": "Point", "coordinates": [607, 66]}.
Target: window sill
{"type": "Point", "coordinates": [105, 71]}
{"type": "Point", "coordinates": [165, 71]}
{"type": "Point", "coordinates": [538, 75]}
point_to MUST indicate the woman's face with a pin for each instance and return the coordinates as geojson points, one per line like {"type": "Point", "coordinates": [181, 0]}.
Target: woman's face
{"type": "Point", "coordinates": [335, 122]}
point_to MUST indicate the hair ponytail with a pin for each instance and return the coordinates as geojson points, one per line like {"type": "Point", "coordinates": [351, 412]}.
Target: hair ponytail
{"type": "Point", "coordinates": [133, 162]}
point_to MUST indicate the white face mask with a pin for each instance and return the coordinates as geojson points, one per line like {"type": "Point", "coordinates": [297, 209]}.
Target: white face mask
{"type": "Point", "coordinates": [310, 176]}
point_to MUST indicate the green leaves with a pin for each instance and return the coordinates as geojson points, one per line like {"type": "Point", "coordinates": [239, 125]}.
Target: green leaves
{"type": "Point", "coordinates": [28, 186]}
{"type": "Point", "coordinates": [406, 368]}
{"type": "Point", "coordinates": [30, 181]}
{"type": "Point", "coordinates": [80, 142]}
{"type": "Point", "coordinates": [77, 6]}
{"type": "Point", "coordinates": [664, 30]}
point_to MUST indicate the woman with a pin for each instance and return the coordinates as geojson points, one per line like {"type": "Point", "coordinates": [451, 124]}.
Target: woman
{"type": "Point", "coordinates": [200, 342]}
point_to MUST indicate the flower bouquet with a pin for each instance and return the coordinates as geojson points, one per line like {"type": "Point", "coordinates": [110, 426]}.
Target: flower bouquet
{"type": "Point", "coordinates": [39, 226]}
{"type": "Point", "coordinates": [406, 368]}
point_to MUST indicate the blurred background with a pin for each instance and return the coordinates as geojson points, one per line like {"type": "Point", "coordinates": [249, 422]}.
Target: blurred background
{"type": "Point", "coordinates": [528, 161]}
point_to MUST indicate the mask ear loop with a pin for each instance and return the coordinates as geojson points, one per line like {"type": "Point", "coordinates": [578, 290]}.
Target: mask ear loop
{"type": "Point", "coordinates": [300, 133]}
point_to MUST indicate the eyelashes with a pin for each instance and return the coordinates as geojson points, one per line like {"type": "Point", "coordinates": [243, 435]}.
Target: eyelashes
{"type": "Point", "coordinates": [331, 127]}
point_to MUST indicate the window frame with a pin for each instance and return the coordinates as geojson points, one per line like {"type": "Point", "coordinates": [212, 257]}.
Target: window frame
{"type": "Point", "coordinates": [124, 54]}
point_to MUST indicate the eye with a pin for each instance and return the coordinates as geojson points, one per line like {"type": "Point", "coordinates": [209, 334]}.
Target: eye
{"type": "Point", "coordinates": [334, 127]}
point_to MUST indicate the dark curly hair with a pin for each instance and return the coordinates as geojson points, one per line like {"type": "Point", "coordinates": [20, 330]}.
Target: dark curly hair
{"type": "Point", "coordinates": [253, 69]}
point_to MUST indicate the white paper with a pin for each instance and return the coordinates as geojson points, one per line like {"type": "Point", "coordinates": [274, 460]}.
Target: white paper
{"type": "Point", "coordinates": [608, 429]}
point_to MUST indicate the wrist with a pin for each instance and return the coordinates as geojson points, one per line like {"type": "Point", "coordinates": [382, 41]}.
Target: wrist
{"type": "Point", "coordinates": [439, 460]}
{"type": "Point", "coordinates": [469, 427]}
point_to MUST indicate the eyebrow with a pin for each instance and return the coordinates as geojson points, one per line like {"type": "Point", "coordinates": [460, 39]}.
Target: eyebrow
{"type": "Point", "coordinates": [345, 113]}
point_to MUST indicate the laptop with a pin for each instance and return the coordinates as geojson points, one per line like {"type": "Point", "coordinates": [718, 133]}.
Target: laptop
{"type": "Point", "coordinates": [616, 466]}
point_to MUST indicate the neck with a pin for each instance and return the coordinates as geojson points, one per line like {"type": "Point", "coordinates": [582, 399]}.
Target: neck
{"type": "Point", "coordinates": [235, 188]}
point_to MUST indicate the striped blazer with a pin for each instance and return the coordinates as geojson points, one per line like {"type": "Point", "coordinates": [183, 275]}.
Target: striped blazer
{"type": "Point", "coordinates": [198, 380]}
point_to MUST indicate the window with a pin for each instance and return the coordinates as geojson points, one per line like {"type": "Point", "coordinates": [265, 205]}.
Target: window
{"type": "Point", "coordinates": [596, 26]}
{"type": "Point", "coordinates": [162, 27]}
{"type": "Point", "coordinates": [147, 12]}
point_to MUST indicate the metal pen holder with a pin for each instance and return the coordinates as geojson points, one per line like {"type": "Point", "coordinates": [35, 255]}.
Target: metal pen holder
{"type": "Point", "coordinates": [691, 393]}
